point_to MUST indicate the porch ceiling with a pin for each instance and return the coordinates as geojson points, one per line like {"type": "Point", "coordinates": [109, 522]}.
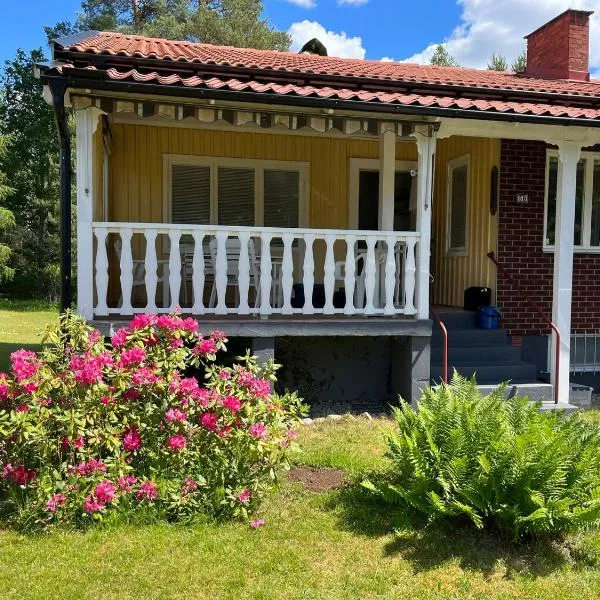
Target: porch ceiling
{"type": "Point", "coordinates": [146, 63]}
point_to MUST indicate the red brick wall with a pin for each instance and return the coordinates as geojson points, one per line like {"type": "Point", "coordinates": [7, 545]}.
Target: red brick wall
{"type": "Point", "coordinates": [520, 242]}
{"type": "Point", "coordinates": [560, 49]}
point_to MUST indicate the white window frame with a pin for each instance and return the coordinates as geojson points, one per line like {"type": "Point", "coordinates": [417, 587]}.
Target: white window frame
{"type": "Point", "coordinates": [584, 247]}
{"type": "Point", "coordinates": [455, 163]}
{"type": "Point", "coordinates": [259, 166]}
{"type": "Point", "coordinates": [367, 164]}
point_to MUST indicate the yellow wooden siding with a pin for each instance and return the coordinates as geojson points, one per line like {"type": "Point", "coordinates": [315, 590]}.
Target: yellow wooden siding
{"type": "Point", "coordinates": [456, 273]}
{"type": "Point", "coordinates": [137, 166]}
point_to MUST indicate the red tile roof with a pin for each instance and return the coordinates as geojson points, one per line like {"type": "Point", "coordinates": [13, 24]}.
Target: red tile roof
{"type": "Point", "coordinates": [192, 65]}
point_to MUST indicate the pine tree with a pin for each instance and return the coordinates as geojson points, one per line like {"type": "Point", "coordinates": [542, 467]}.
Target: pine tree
{"type": "Point", "coordinates": [497, 62]}
{"type": "Point", "coordinates": [520, 63]}
{"type": "Point", "coordinates": [442, 58]}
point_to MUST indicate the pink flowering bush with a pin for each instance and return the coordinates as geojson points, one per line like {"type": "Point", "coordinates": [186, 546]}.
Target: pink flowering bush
{"type": "Point", "coordinates": [91, 430]}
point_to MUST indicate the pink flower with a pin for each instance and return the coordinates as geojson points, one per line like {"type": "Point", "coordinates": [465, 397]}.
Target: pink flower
{"type": "Point", "coordinates": [218, 336]}
{"type": "Point", "coordinates": [233, 403]}
{"type": "Point", "coordinates": [176, 343]}
{"type": "Point", "coordinates": [190, 325]}
{"type": "Point", "coordinates": [22, 408]}
{"type": "Point", "coordinates": [209, 421]}
{"type": "Point", "coordinates": [94, 337]}
{"type": "Point", "coordinates": [188, 386]}
{"type": "Point", "coordinates": [205, 346]}
{"type": "Point", "coordinates": [133, 356]}
{"type": "Point", "coordinates": [147, 491]}
{"type": "Point", "coordinates": [258, 431]}
{"type": "Point", "coordinates": [189, 486]}
{"type": "Point", "coordinates": [105, 400]}
{"type": "Point", "coordinates": [175, 415]}
{"type": "Point", "coordinates": [119, 338]}
{"type": "Point", "coordinates": [132, 440]}
{"type": "Point", "coordinates": [92, 466]}
{"type": "Point", "coordinates": [256, 523]}
{"type": "Point", "coordinates": [261, 388]}
{"type": "Point", "coordinates": [224, 374]}
{"type": "Point", "coordinates": [55, 501]}
{"type": "Point", "coordinates": [244, 495]}
{"type": "Point", "coordinates": [77, 443]}
{"type": "Point", "coordinates": [30, 387]}
{"type": "Point", "coordinates": [132, 394]}
{"type": "Point", "coordinates": [21, 475]}
{"type": "Point", "coordinates": [142, 321]}
{"type": "Point", "coordinates": [126, 483]}
{"type": "Point", "coordinates": [176, 443]}
{"type": "Point", "coordinates": [24, 364]}
{"type": "Point", "coordinates": [105, 491]}
{"type": "Point", "coordinates": [4, 388]}
{"type": "Point", "coordinates": [92, 505]}
{"type": "Point", "coordinates": [144, 376]}
{"type": "Point", "coordinates": [7, 471]}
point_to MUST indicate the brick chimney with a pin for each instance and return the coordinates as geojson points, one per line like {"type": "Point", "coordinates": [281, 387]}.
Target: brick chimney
{"type": "Point", "coordinates": [560, 49]}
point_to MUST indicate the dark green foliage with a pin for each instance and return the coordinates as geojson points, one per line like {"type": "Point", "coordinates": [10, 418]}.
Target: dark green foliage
{"type": "Point", "coordinates": [442, 58]}
{"type": "Point", "coordinates": [500, 464]}
{"type": "Point", "coordinates": [31, 168]}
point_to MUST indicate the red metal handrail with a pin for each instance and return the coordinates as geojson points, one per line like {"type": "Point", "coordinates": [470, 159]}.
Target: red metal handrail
{"type": "Point", "coordinates": [541, 312]}
{"type": "Point", "coordinates": [444, 346]}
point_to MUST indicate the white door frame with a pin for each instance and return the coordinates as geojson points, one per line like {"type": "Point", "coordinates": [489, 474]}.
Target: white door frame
{"type": "Point", "coordinates": [367, 164]}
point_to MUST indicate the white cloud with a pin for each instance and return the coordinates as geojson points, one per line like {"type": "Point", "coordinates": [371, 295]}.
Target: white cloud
{"type": "Point", "coordinates": [489, 26]}
{"type": "Point", "coordinates": [337, 44]}
{"type": "Point", "coordinates": [352, 2]}
{"type": "Point", "coordinates": [303, 3]}
{"type": "Point", "coordinates": [387, 59]}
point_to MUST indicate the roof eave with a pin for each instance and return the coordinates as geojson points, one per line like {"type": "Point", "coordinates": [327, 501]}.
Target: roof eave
{"type": "Point", "coordinates": [99, 84]}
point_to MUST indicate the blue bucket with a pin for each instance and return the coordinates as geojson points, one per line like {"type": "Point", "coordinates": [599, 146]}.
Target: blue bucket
{"type": "Point", "coordinates": [488, 317]}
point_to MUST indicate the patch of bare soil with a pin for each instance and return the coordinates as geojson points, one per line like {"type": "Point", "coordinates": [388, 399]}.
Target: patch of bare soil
{"type": "Point", "coordinates": [317, 479]}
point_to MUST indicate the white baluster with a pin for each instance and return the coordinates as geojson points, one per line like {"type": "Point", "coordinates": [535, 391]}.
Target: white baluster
{"type": "Point", "coordinates": [150, 265]}
{"type": "Point", "coordinates": [350, 276]}
{"type": "Point", "coordinates": [308, 276]}
{"type": "Point", "coordinates": [126, 271]}
{"type": "Point", "coordinates": [370, 278]}
{"type": "Point", "coordinates": [244, 273]}
{"type": "Point", "coordinates": [390, 275]}
{"type": "Point", "coordinates": [101, 271]}
{"type": "Point", "coordinates": [198, 273]}
{"type": "Point", "coordinates": [221, 272]}
{"type": "Point", "coordinates": [287, 278]}
{"type": "Point", "coordinates": [265, 273]}
{"type": "Point", "coordinates": [329, 274]}
{"type": "Point", "coordinates": [174, 268]}
{"type": "Point", "coordinates": [409, 278]}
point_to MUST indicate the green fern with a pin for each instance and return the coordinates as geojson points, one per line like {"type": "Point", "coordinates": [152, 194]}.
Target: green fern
{"type": "Point", "coordinates": [501, 464]}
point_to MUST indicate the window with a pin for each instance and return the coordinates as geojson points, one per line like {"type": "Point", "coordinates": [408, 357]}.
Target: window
{"type": "Point", "coordinates": [457, 206]}
{"type": "Point", "coordinates": [236, 193]}
{"type": "Point", "coordinates": [587, 202]}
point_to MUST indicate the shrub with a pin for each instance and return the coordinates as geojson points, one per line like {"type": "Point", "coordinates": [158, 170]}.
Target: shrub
{"type": "Point", "coordinates": [500, 464]}
{"type": "Point", "coordinates": [91, 430]}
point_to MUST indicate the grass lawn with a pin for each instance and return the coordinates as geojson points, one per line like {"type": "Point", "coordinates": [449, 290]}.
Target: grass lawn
{"type": "Point", "coordinates": [329, 545]}
{"type": "Point", "coordinates": [21, 326]}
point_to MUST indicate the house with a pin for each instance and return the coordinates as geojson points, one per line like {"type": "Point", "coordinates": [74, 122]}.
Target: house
{"type": "Point", "coordinates": [321, 205]}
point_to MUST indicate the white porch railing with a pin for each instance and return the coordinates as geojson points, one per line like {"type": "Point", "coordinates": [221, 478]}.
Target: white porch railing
{"type": "Point", "coordinates": [158, 267]}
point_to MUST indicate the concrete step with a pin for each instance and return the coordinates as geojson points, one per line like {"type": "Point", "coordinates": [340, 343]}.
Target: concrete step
{"type": "Point", "coordinates": [463, 338]}
{"type": "Point", "coordinates": [520, 372]}
{"type": "Point", "coordinates": [459, 319]}
{"type": "Point", "coordinates": [478, 355]}
{"type": "Point", "coordinates": [534, 391]}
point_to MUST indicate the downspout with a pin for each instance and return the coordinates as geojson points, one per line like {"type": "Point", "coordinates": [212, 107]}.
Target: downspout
{"type": "Point", "coordinates": [58, 88]}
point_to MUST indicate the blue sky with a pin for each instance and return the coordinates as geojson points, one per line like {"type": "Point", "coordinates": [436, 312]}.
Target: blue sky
{"type": "Point", "coordinates": [375, 29]}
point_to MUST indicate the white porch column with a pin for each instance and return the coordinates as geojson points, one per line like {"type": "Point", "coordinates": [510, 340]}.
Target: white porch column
{"type": "Point", "coordinates": [387, 177]}
{"type": "Point", "coordinates": [426, 142]}
{"type": "Point", "coordinates": [86, 121]}
{"type": "Point", "coordinates": [569, 154]}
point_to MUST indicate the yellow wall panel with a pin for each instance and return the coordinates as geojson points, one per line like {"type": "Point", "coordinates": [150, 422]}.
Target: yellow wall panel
{"type": "Point", "coordinates": [137, 165]}
{"type": "Point", "coordinates": [453, 274]}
